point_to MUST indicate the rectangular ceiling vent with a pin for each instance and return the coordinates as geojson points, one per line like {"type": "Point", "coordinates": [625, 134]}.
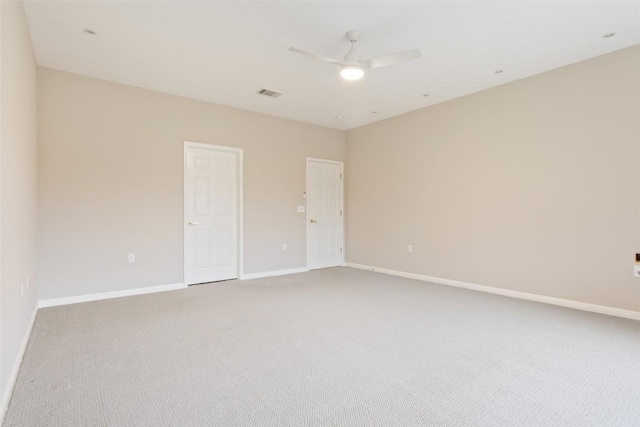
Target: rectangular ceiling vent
{"type": "Point", "coordinates": [269, 93]}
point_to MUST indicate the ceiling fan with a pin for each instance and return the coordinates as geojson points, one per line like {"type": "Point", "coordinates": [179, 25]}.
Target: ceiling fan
{"type": "Point", "coordinates": [352, 66]}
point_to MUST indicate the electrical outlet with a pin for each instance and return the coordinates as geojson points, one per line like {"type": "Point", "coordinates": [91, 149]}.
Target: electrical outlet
{"type": "Point", "coordinates": [284, 246]}
{"type": "Point", "coordinates": [22, 290]}
{"type": "Point", "coordinates": [636, 270]}
{"type": "Point", "coordinates": [132, 257]}
{"type": "Point", "coordinates": [410, 248]}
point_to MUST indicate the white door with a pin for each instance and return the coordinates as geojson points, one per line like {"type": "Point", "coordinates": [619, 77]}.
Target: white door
{"type": "Point", "coordinates": [211, 215]}
{"type": "Point", "coordinates": [324, 214]}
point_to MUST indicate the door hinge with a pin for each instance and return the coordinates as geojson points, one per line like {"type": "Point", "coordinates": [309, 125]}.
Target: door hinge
{"type": "Point", "coordinates": [340, 250]}
{"type": "Point", "coordinates": [341, 212]}
{"type": "Point", "coordinates": [340, 175]}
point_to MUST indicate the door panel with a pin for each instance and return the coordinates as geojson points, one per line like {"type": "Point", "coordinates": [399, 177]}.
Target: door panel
{"type": "Point", "coordinates": [202, 248]}
{"type": "Point", "coordinates": [203, 191]}
{"type": "Point", "coordinates": [212, 215]}
{"type": "Point", "coordinates": [325, 226]}
{"type": "Point", "coordinates": [225, 247]}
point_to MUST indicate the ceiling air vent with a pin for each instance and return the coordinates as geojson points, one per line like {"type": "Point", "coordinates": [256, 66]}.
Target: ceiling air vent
{"type": "Point", "coordinates": [269, 93]}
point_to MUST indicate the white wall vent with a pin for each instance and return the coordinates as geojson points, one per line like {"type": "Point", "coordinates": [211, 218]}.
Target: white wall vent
{"type": "Point", "coordinates": [269, 93]}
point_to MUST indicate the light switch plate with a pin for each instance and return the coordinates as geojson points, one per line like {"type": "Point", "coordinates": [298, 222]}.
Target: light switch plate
{"type": "Point", "coordinates": [300, 209]}
{"type": "Point", "coordinates": [636, 270]}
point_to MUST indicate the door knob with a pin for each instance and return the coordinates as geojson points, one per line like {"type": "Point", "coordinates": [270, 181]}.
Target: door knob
{"type": "Point", "coordinates": [312, 221]}
{"type": "Point", "coordinates": [194, 223]}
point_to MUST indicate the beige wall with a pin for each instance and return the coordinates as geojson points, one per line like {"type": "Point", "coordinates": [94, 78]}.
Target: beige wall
{"type": "Point", "coordinates": [111, 183]}
{"type": "Point", "coordinates": [531, 186]}
{"type": "Point", "coordinates": [18, 133]}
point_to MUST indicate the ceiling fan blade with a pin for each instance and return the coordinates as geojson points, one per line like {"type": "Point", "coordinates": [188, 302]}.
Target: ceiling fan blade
{"type": "Point", "coordinates": [315, 56]}
{"type": "Point", "coordinates": [392, 58]}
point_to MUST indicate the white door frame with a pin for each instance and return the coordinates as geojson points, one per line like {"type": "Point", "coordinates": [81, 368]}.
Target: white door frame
{"type": "Point", "coordinates": [333, 162]}
{"type": "Point", "coordinates": [239, 195]}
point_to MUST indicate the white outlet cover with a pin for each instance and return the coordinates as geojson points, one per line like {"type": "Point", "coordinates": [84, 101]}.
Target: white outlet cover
{"type": "Point", "coordinates": [636, 270]}
{"type": "Point", "coordinates": [300, 209]}
{"type": "Point", "coordinates": [284, 246]}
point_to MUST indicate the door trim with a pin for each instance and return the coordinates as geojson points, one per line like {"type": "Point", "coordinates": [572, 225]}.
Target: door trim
{"type": "Point", "coordinates": [333, 162]}
{"type": "Point", "coordinates": [239, 195]}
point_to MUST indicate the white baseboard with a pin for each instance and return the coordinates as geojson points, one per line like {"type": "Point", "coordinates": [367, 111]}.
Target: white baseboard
{"type": "Point", "coordinates": [13, 375]}
{"type": "Point", "coordinates": [612, 311]}
{"type": "Point", "coordinates": [274, 273]}
{"type": "Point", "coordinates": [107, 295]}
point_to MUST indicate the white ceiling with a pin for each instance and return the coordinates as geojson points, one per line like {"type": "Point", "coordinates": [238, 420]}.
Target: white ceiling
{"type": "Point", "coordinates": [223, 52]}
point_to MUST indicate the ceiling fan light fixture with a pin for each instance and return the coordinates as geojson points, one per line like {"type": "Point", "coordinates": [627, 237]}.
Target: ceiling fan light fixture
{"type": "Point", "coordinates": [352, 72]}
{"type": "Point", "coordinates": [352, 66]}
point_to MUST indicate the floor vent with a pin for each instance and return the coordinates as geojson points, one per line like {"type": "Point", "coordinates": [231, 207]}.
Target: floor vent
{"type": "Point", "coordinates": [269, 93]}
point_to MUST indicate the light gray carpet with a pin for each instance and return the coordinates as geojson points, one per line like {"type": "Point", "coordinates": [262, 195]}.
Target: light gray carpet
{"type": "Point", "coordinates": [331, 347]}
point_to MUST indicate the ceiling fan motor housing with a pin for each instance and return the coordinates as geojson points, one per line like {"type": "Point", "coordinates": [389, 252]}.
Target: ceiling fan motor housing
{"type": "Point", "coordinates": [353, 57]}
{"type": "Point", "coordinates": [353, 35]}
